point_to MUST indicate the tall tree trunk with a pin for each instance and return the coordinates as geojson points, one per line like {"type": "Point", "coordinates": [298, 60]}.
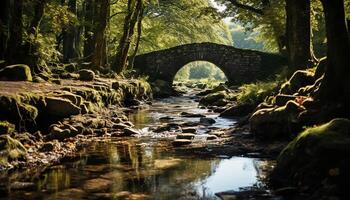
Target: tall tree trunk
{"type": "Point", "coordinates": [99, 53]}
{"type": "Point", "coordinates": [335, 86]}
{"type": "Point", "coordinates": [89, 24]}
{"type": "Point", "coordinates": [120, 62]}
{"type": "Point", "coordinates": [14, 44]}
{"type": "Point", "coordinates": [139, 33]}
{"type": "Point", "coordinates": [299, 48]}
{"type": "Point", "coordinates": [31, 56]}
{"type": "Point", "coordinates": [70, 50]}
{"type": "Point", "coordinates": [4, 8]}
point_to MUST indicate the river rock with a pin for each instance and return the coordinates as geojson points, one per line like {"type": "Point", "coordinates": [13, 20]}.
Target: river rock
{"type": "Point", "coordinates": [212, 137]}
{"type": "Point", "coordinates": [186, 114]}
{"type": "Point", "coordinates": [130, 131]}
{"type": "Point", "coordinates": [274, 123]}
{"type": "Point", "coordinates": [207, 120]}
{"type": "Point", "coordinates": [97, 185]}
{"type": "Point", "coordinates": [86, 75]}
{"type": "Point", "coordinates": [189, 130]}
{"type": "Point", "coordinates": [181, 142]}
{"type": "Point", "coordinates": [237, 110]}
{"type": "Point", "coordinates": [187, 136]}
{"type": "Point", "coordinates": [71, 67]}
{"type": "Point", "coordinates": [61, 108]}
{"type": "Point", "coordinates": [17, 72]}
{"type": "Point", "coordinates": [60, 134]}
{"type": "Point", "coordinates": [68, 194]}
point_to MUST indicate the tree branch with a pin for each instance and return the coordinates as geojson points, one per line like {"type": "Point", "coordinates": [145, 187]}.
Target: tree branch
{"type": "Point", "coordinates": [246, 7]}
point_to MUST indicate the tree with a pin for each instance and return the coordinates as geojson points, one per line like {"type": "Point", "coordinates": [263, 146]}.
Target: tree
{"type": "Point", "coordinates": [4, 5]}
{"type": "Point", "coordinates": [133, 10]}
{"type": "Point", "coordinates": [298, 30]}
{"type": "Point", "coordinates": [335, 86]}
{"type": "Point", "coordinates": [71, 36]}
{"type": "Point", "coordinates": [99, 56]}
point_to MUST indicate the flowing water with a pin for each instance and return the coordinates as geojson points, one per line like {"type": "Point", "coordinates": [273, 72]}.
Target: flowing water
{"type": "Point", "coordinates": [146, 166]}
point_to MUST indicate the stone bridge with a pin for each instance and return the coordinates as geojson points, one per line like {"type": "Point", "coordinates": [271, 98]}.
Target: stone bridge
{"type": "Point", "coordinates": [239, 65]}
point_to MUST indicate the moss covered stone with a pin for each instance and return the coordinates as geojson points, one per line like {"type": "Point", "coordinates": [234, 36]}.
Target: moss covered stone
{"type": "Point", "coordinates": [11, 149]}
{"type": "Point", "coordinates": [300, 78]}
{"type": "Point", "coordinates": [274, 123]}
{"type": "Point", "coordinates": [6, 127]}
{"type": "Point", "coordinates": [61, 108]}
{"type": "Point", "coordinates": [17, 72]}
{"type": "Point", "coordinates": [318, 154]}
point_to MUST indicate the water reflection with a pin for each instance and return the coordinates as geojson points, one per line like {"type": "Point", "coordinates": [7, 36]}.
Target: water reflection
{"type": "Point", "coordinates": [140, 168]}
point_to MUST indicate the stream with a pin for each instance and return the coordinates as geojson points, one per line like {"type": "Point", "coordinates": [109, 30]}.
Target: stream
{"type": "Point", "coordinates": [146, 166]}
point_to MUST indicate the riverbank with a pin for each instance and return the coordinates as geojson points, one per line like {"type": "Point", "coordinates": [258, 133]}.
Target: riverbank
{"type": "Point", "coordinates": [45, 122]}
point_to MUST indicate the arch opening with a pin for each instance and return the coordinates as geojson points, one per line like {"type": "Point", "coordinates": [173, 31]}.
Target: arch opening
{"type": "Point", "coordinates": [200, 73]}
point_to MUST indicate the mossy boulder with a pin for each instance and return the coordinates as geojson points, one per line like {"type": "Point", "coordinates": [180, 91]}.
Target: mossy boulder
{"type": "Point", "coordinates": [215, 99]}
{"type": "Point", "coordinates": [6, 128]}
{"type": "Point", "coordinates": [276, 123]}
{"type": "Point", "coordinates": [86, 75]}
{"type": "Point", "coordinates": [61, 108]}
{"type": "Point", "coordinates": [317, 158]}
{"type": "Point", "coordinates": [17, 72]}
{"type": "Point", "coordinates": [237, 110]}
{"type": "Point", "coordinates": [300, 78]}
{"type": "Point", "coordinates": [11, 150]}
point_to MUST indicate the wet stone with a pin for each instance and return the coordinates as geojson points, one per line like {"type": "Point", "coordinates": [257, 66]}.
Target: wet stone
{"type": "Point", "coordinates": [22, 186]}
{"type": "Point", "coordinates": [130, 131]}
{"type": "Point", "coordinates": [97, 185]}
{"type": "Point", "coordinates": [187, 136]}
{"type": "Point", "coordinates": [186, 114]}
{"type": "Point", "coordinates": [207, 120]}
{"type": "Point", "coordinates": [181, 142]}
{"type": "Point", "coordinates": [189, 130]}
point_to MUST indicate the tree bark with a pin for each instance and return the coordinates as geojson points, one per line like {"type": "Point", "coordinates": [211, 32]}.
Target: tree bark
{"type": "Point", "coordinates": [99, 53]}
{"type": "Point", "coordinates": [70, 35]}
{"type": "Point", "coordinates": [335, 86]}
{"type": "Point", "coordinates": [139, 33]}
{"type": "Point", "coordinates": [89, 24]}
{"type": "Point", "coordinates": [14, 44]}
{"type": "Point", "coordinates": [4, 8]}
{"type": "Point", "coordinates": [120, 62]}
{"type": "Point", "coordinates": [299, 48]}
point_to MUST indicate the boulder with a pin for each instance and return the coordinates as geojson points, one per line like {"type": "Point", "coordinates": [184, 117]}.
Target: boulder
{"type": "Point", "coordinates": [186, 114]}
{"type": "Point", "coordinates": [130, 131]}
{"type": "Point", "coordinates": [11, 149]}
{"type": "Point", "coordinates": [276, 123]}
{"type": "Point", "coordinates": [214, 99]}
{"type": "Point", "coordinates": [319, 154]}
{"type": "Point", "coordinates": [71, 67]}
{"type": "Point", "coordinates": [17, 72]}
{"type": "Point", "coordinates": [237, 110]}
{"type": "Point", "coordinates": [86, 75]}
{"type": "Point", "coordinates": [60, 134]}
{"type": "Point", "coordinates": [189, 130]}
{"type": "Point", "coordinates": [300, 78]}
{"type": "Point", "coordinates": [59, 107]}
{"type": "Point", "coordinates": [207, 120]}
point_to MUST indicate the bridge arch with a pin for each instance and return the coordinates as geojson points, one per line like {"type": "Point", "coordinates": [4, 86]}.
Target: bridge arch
{"type": "Point", "coordinates": [200, 69]}
{"type": "Point", "coordinates": [239, 65]}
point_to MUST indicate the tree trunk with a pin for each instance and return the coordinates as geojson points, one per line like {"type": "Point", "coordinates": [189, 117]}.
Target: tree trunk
{"type": "Point", "coordinates": [89, 24]}
{"type": "Point", "coordinates": [70, 50]}
{"type": "Point", "coordinates": [4, 5]}
{"type": "Point", "coordinates": [14, 44]}
{"type": "Point", "coordinates": [139, 32]}
{"type": "Point", "coordinates": [120, 63]}
{"type": "Point", "coordinates": [99, 53]}
{"type": "Point", "coordinates": [335, 86]}
{"type": "Point", "coordinates": [299, 48]}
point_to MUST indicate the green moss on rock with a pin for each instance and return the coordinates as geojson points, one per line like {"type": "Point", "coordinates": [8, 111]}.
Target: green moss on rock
{"type": "Point", "coordinates": [11, 149]}
{"type": "Point", "coordinates": [315, 155]}
{"type": "Point", "coordinates": [6, 127]}
{"type": "Point", "coordinates": [17, 72]}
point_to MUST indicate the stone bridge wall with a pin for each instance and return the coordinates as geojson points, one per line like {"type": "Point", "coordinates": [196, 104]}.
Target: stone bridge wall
{"type": "Point", "coordinates": [239, 65]}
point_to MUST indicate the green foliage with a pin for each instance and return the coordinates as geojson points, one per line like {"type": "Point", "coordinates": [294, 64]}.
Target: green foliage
{"type": "Point", "coordinates": [200, 70]}
{"type": "Point", "coordinates": [256, 93]}
{"type": "Point", "coordinates": [244, 39]}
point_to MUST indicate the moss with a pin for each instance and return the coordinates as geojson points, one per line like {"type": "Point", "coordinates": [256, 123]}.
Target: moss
{"type": "Point", "coordinates": [6, 127]}
{"type": "Point", "coordinates": [11, 149]}
{"type": "Point", "coordinates": [310, 158]}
